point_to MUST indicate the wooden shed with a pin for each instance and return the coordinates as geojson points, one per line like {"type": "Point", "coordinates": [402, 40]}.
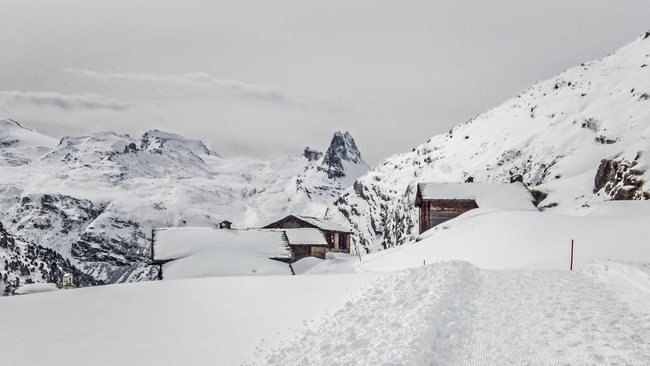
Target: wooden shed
{"type": "Point", "coordinates": [336, 237]}
{"type": "Point", "coordinates": [306, 242]}
{"type": "Point", "coordinates": [440, 202]}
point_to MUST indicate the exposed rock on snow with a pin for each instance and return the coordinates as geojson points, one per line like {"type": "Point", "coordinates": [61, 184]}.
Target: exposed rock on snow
{"type": "Point", "coordinates": [312, 155]}
{"type": "Point", "coordinates": [342, 151]}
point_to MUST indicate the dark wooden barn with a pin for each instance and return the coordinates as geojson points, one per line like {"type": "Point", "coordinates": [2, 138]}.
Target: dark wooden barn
{"type": "Point", "coordinates": [336, 238]}
{"type": "Point", "coordinates": [440, 202]}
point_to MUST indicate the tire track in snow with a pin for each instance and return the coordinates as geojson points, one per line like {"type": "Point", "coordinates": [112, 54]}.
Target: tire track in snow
{"type": "Point", "coordinates": [555, 318]}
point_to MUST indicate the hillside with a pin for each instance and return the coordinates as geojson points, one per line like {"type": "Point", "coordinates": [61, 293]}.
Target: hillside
{"type": "Point", "coordinates": [93, 200]}
{"type": "Point", "coordinates": [575, 139]}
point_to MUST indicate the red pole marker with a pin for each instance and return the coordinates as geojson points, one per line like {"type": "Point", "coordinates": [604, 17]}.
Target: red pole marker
{"type": "Point", "coordinates": [571, 267]}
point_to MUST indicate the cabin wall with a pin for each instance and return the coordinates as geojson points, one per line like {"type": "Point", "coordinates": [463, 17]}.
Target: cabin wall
{"type": "Point", "coordinates": [435, 212]}
{"type": "Point", "coordinates": [318, 252]}
{"type": "Point", "coordinates": [299, 252]}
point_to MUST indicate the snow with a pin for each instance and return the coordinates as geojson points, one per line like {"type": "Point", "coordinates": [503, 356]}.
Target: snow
{"type": "Point", "coordinates": [305, 236]}
{"type": "Point", "coordinates": [455, 314]}
{"type": "Point", "coordinates": [550, 134]}
{"type": "Point", "coordinates": [119, 187]}
{"type": "Point", "coordinates": [20, 145]}
{"type": "Point", "coordinates": [491, 286]}
{"type": "Point", "coordinates": [203, 321]}
{"type": "Point", "coordinates": [207, 252]}
{"type": "Point", "coordinates": [33, 288]}
{"type": "Point", "coordinates": [304, 265]}
{"type": "Point", "coordinates": [497, 239]}
{"type": "Point", "coordinates": [513, 196]}
{"type": "Point", "coordinates": [495, 290]}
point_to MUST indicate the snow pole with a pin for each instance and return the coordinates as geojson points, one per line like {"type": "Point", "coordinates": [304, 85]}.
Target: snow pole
{"type": "Point", "coordinates": [571, 265]}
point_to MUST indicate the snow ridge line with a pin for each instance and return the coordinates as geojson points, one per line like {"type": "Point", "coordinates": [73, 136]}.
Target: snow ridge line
{"type": "Point", "coordinates": [414, 317]}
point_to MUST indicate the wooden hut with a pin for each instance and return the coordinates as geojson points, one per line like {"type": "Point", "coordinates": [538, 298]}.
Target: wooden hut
{"type": "Point", "coordinates": [324, 237]}
{"type": "Point", "coordinates": [440, 202]}
{"type": "Point", "coordinates": [225, 224]}
{"type": "Point", "coordinates": [67, 281]}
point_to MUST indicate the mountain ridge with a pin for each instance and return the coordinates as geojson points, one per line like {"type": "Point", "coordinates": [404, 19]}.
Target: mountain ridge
{"type": "Point", "coordinates": [577, 138]}
{"type": "Point", "coordinates": [95, 199]}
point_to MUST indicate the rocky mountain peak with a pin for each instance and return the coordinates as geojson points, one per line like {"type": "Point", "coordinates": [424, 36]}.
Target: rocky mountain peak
{"type": "Point", "coordinates": [10, 123]}
{"type": "Point", "coordinates": [158, 141]}
{"type": "Point", "coordinates": [342, 150]}
{"type": "Point", "coordinates": [311, 154]}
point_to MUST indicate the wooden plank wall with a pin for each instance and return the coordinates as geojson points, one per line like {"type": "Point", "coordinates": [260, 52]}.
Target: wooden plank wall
{"type": "Point", "coordinates": [435, 212]}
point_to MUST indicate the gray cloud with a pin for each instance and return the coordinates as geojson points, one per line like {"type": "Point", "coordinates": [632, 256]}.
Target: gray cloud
{"type": "Point", "coordinates": [266, 93]}
{"type": "Point", "coordinates": [64, 101]}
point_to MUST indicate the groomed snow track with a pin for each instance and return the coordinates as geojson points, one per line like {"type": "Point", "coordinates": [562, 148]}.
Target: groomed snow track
{"type": "Point", "coordinates": [455, 314]}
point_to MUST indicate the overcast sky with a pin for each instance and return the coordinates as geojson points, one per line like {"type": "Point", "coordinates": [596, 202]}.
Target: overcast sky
{"type": "Point", "coordinates": [264, 78]}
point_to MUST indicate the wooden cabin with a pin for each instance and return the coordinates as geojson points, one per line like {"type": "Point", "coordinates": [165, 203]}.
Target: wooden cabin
{"type": "Point", "coordinates": [324, 236]}
{"type": "Point", "coordinates": [67, 281]}
{"type": "Point", "coordinates": [225, 224]}
{"type": "Point", "coordinates": [441, 202]}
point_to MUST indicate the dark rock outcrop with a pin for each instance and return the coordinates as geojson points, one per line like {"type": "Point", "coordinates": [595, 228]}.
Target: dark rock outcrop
{"type": "Point", "coordinates": [342, 149]}
{"type": "Point", "coordinates": [311, 154]}
{"type": "Point", "coordinates": [620, 179]}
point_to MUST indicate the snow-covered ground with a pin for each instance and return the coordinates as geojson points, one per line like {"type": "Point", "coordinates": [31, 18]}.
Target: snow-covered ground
{"type": "Point", "coordinates": [497, 239]}
{"type": "Point", "coordinates": [481, 299]}
{"type": "Point", "coordinates": [203, 321]}
{"type": "Point", "coordinates": [455, 314]}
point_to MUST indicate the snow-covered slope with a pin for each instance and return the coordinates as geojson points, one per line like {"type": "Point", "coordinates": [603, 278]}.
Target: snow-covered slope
{"type": "Point", "coordinates": [578, 138]}
{"type": "Point", "coordinates": [95, 199]}
{"type": "Point", "coordinates": [20, 145]}
{"type": "Point", "coordinates": [498, 239]}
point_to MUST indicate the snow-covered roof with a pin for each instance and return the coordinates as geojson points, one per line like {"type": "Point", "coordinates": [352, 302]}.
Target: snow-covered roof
{"type": "Point", "coordinates": [323, 224]}
{"type": "Point", "coordinates": [305, 237]}
{"type": "Point", "coordinates": [512, 196]}
{"type": "Point", "coordinates": [207, 252]}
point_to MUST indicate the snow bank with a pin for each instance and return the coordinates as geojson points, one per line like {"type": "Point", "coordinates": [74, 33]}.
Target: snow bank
{"type": "Point", "coordinates": [304, 265]}
{"type": "Point", "coordinates": [201, 321]}
{"type": "Point", "coordinates": [527, 239]}
{"type": "Point", "coordinates": [415, 317]}
{"type": "Point", "coordinates": [35, 288]}
{"type": "Point", "coordinates": [207, 252]}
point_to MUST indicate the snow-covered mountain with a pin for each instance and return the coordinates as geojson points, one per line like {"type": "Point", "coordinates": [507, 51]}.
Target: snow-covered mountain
{"type": "Point", "coordinates": [575, 139]}
{"type": "Point", "coordinates": [578, 138]}
{"type": "Point", "coordinates": [20, 145]}
{"type": "Point", "coordinates": [93, 200]}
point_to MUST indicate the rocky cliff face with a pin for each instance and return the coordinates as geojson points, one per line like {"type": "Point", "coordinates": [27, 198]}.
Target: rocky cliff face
{"type": "Point", "coordinates": [25, 263]}
{"type": "Point", "coordinates": [342, 151]}
{"type": "Point", "coordinates": [578, 138]}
